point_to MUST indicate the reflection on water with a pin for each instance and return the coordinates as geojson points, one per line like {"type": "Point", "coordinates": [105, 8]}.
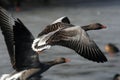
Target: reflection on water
{"type": "Point", "coordinates": [79, 68]}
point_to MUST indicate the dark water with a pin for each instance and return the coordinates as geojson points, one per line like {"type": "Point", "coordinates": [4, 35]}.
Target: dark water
{"type": "Point", "coordinates": [107, 13]}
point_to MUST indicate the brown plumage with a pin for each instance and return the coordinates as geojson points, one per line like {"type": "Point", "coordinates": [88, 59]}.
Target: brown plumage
{"type": "Point", "coordinates": [71, 36]}
{"type": "Point", "coordinates": [111, 49]}
{"type": "Point", "coordinates": [24, 60]}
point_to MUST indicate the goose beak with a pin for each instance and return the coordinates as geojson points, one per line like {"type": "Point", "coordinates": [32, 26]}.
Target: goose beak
{"type": "Point", "coordinates": [104, 27]}
{"type": "Point", "coordinates": [67, 60]}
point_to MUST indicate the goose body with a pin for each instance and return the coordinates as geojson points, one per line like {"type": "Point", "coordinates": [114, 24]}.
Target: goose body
{"type": "Point", "coordinates": [12, 77]}
{"type": "Point", "coordinates": [24, 60]}
{"type": "Point", "coordinates": [70, 36]}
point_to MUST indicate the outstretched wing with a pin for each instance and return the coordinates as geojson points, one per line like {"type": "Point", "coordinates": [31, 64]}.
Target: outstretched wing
{"type": "Point", "coordinates": [55, 25]}
{"type": "Point", "coordinates": [63, 19]}
{"type": "Point", "coordinates": [25, 57]}
{"type": "Point", "coordinates": [6, 23]}
{"type": "Point", "coordinates": [21, 32]}
{"type": "Point", "coordinates": [18, 40]}
{"type": "Point", "coordinates": [78, 40]}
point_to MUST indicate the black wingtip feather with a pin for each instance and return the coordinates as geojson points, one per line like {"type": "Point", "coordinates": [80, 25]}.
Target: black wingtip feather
{"type": "Point", "coordinates": [92, 54]}
{"type": "Point", "coordinates": [66, 20]}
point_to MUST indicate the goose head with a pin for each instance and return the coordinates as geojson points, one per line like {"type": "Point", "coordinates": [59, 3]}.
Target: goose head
{"type": "Point", "coordinates": [94, 26]}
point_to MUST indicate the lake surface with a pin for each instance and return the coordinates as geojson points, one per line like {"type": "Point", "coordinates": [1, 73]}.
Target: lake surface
{"type": "Point", "coordinates": [36, 19]}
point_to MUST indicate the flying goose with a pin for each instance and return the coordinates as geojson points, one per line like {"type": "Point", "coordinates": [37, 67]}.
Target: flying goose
{"type": "Point", "coordinates": [24, 60]}
{"type": "Point", "coordinates": [70, 36]}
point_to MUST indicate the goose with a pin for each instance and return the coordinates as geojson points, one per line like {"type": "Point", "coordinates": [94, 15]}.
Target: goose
{"type": "Point", "coordinates": [116, 77]}
{"type": "Point", "coordinates": [24, 60]}
{"type": "Point", "coordinates": [111, 49]}
{"type": "Point", "coordinates": [71, 36]}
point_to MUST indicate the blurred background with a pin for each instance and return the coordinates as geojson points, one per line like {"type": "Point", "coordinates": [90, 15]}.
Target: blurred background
{"type": "Point", "coordinates": [36, 14]}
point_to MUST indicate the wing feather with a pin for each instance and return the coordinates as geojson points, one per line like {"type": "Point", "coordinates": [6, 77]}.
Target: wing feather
{"type": "Point", "coordinates": [54, 27]}
{"type": "Point", "coordinates": [78, 40]}
{"type": "Point", "coordinates": [6, 22]}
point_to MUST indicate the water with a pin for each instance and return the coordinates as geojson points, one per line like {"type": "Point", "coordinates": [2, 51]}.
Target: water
{"type": "Point", "coordinates": [107, 13]}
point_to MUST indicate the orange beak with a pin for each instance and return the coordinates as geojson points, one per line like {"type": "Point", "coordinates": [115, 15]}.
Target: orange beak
{"type": "Point", "coordinates": [104, 27]}
{"type": "Point", "coordinates": [67, 60]}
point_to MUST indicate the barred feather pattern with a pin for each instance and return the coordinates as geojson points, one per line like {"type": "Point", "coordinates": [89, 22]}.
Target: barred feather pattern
{"type": "Point", "coordinates": [54, 27]}
{"type": "Point", "coordinates": [76, 39]}
{"type": "Point", "coordinates": [6, 23]}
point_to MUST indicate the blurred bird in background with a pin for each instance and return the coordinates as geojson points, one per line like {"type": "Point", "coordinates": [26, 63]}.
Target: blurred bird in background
{"type": "Point", "coordinates": [111, 49]}
{"type": "Point", "coordinates": [116, 77]}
